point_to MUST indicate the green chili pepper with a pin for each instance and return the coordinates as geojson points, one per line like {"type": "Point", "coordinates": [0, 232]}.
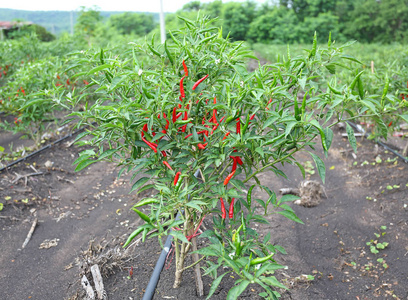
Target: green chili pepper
{"type": "Point", "coordinates": [146, 202]}
{"type": "Point", "coordinates": [245, 126]}
{"type": "Point", "coordinates": [168, 53]}
{"type": "Point", "coordinates": [353, 84]}
{"type": "Point", "coordinates": [260, 260]}
{"type": "Point", "coordinates": [142, 215]}
{"type": "Point", "coordinates": [133, 235]}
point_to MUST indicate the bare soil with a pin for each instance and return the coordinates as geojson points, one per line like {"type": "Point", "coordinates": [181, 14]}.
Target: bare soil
{"type": "Point", "coordinates": [85, 217]}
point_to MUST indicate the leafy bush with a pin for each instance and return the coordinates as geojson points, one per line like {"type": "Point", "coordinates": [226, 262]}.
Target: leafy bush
{"type": "Point", "coordinates": [193, 108]}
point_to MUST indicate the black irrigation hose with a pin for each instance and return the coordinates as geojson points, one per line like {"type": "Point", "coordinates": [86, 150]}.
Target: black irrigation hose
{"type": "Point", "coordinates": [42, 149]}
{"type": "Point", "coordinates": [404, 159]}
{"type": "Point", "coordinates": [154, 279]}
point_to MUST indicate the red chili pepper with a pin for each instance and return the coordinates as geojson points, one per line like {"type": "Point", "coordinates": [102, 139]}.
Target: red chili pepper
{"type": "Point", "coordinates": [183, 95]}
{"type": "Point", "coordinates": [222, 119]}
{"type": "Point", "coordinates": [58, 77]}
{"type": "Point", "coordinates": [167, 165]}
{"type": "Point", "coordinates": [202, 146]}
{"type": "Point", "coordinates": [151, 145]}
{"type": "Point", "coordinates": [22, 90]}
{"type": "Point", "coordinates": [229, 177]}
{"type": "Point", "coordinates": [224, 212]}
{"type": "Point", "coordinates": [231, 209]}
{"type": "Point", "coordinates": [402, 96]}
{"type": "Point", "coordinates": [390, 124]}
{"type": "Point", "coordinates": [238, 126]}
{"type": "Point", "coordinates": [174, 114]}
{"type": "Point", "coordinates": [185, 69]}
{"type": "Point", "coordinates": [225, 136]}
{"type": "Point", "coordinates": [185, 118]}
{"type": "Point", "coordinates": [86, 82]}
{"type": "Point", "coordinates": [199, 81]}
{"type": "Point", "coordinates": [266, 107]}
{"type": "Point", "coordinates": [214, 128]}
{"type": "Point", "coordinates": [234, 164]}
{"type": "Point", "coordinates": [68, 82]}
{"type": "Point", "coordinates": [176, 178]}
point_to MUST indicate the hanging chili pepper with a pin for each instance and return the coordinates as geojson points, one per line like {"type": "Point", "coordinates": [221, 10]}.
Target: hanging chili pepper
{"type": "Point", "coordinates": [183, 95]}
{"type": "Point", "coordinates": [150, 145]}
{"type": "Point", "coordinates": [215, 112]}
{"type": "Point", "coordinates": [176, 178]}
{"type": "Point", "coordinates": [223, 211]}
{"type": "Point", "coordinates": [185, 69]}
{"type": "Point", "coordinates": [229, 177]}
{"type": "Point", "coordinates": [231, 209]}
{"type": "Point", "coordinates": [185, 118]}
{"type": "Point", "coordinates": [266, 107]}
{"type": "Point", "coordinates": [167, 165]}
{"type": "Point", "coordinates": [174, 114]}
{"type": "Point", "coordinates": [222, 119]}
{"type": "Point", "coordinates": [225, 136]}
{"type": "Point", "coordinates": [389, 125]}
{"type": "Point", "coordinates": [238, 126]}
{"type": "Point", "coordinates": [199, 81]}
{"type": "Point", "coordinates": [234, 164]}
{"type": "Point", "coordinates": [202, 146]}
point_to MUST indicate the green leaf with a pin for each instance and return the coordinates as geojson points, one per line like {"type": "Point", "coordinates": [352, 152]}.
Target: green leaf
{"type": "Point", "coordinates": [349, 57]}
{"type": "Point", "coordinates": [215, 284]}
{"type": "Point", "coordinates": [180, 236]}
{"type": "Point", "coordinates": [207, 251]}
{"type": "Point", "coordinates": [272, 281]}
{"type": "Point", "coordinates": [321, 168]}
{"type": "Point", "coordinates": [288, 198]}
{"type": "Point", "coordinates": [329, 137]}
{"type": "Point", "coordinates": [107, 153]}
{"type": "Point", "coordinates": [290, 215]}
{"type": "Point", "coordinates": [351, 137]}
{"type": "Point", "coordinates": [237, 290]}
{"type": "Point", "coordinates": [289, 128]}
{"type": "Point", "coordinates": [83, 164]}
{"type": "Point", "coordinates": [194, 205]}
{"type": "Point", "coordinates": [301, 168]}
{"type": "Point", "coordinates": [139, 183]}
{"type": "Point", "coordinates": [99, 68]}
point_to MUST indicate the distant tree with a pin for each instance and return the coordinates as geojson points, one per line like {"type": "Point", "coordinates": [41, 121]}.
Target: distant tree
{"type": "Point", "coordinates": [22, 29]}
{"type": "Point", "coordinates": [87, 22]}
{"type": "Point", "coordinates": [192, 6]}
{"type": "Point", "coordinates": [237, 18]}
{"type": "Point", "coordinates": [136, 23]}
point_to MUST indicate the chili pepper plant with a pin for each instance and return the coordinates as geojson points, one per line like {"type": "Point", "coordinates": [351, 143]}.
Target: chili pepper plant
{"type": "Point", "coordinates": [191, 107]}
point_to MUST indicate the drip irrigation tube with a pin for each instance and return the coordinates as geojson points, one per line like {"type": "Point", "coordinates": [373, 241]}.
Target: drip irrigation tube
{"type": "Point", "coordinates": [43, 148]}
{"type": "Point", "coordinates": [359, 129]}
{"type": "Point", "coordinates": [154, 279]}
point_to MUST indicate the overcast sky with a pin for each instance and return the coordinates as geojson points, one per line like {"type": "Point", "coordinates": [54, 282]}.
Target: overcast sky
{"type": "Point", "coordinates": [104, 5]}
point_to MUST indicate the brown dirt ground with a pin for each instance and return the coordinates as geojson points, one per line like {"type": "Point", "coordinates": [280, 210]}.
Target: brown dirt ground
{"type": "Point", "coordinates": [88, 213]}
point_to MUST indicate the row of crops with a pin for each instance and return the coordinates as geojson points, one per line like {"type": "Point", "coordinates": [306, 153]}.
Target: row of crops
{"type": "Point", "coordinates": [41, 83]}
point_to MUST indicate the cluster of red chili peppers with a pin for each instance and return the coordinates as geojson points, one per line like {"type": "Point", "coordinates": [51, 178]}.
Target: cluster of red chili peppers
{"type": "Point", "coordinates": [4, 72]}
{"type": "Point", "coordinates": [211, 124]}
{"type": "Point", "coordinates": [20, 90]}
{"type": "Point", "coordinates": [175, 116]}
